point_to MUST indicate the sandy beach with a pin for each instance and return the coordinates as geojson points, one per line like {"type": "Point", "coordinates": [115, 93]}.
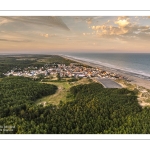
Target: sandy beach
{"type": "Point", "coordinates": [130, 76]}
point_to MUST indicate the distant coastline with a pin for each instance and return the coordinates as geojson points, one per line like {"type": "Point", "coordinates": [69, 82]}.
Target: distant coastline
{"type": "Point", "coordinates": [139, 80]}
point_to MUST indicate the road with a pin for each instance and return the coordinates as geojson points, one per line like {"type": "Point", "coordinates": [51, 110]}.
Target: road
{"type": "Point", "coordinates": [108, 83]}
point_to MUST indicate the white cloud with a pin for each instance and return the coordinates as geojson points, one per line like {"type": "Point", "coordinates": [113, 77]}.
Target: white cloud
{"type": "Point", "coordinates": [124, 30]}
{"type": "Point", "coordinates": [122, 23]}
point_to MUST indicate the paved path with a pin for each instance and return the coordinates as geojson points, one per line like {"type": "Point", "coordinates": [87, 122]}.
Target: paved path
{"type": "Point", "coordinates": [108, 83]}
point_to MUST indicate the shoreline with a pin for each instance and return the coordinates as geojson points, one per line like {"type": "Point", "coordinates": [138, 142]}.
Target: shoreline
{"type": "Point", "coordinates": [129, 75]}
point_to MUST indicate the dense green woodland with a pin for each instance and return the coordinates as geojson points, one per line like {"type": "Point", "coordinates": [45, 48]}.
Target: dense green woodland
{"type": "Point", "coordinates": [93, 109]}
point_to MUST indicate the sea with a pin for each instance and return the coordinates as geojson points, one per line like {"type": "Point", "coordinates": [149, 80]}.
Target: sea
{"type": "Point", "coordinates": [136, 63]}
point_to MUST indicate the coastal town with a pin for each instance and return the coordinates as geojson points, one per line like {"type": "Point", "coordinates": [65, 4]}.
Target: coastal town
{"type": "Point", "coordinates": [74, 70]}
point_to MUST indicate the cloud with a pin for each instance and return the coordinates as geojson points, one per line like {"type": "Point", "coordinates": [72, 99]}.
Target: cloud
{"type": "Point", "coordinates": [14, 37]}
{"type": "Point", "coordinates": [79, 19]}
{"type": "Point", "coordinates": [122, 23]}
{"type": "Point", "coordinates": [123, 17]}
{"type": "Point", "coordinates": [92, 19]}
{"type": "Point", "coordinates": [40, 20]}
{"type": "Point", "coordinates": [44, 35]}
{"type": "Point", "coordinates": [124, 30]}
{"type": "Point", "coordinates": [89, 21]}
{"type": "Point", "coordinates": [86, 33]}
{"type": "Point", "coordinates": [109, 30]}
{"type": "Point", "coordinates": [4, 21]}
{"type": "Point", "coordinates": [9, 40]}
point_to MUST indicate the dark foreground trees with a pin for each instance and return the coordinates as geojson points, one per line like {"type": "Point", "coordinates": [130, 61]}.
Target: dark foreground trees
{"type": "Point", "coordinates": [93, 110]}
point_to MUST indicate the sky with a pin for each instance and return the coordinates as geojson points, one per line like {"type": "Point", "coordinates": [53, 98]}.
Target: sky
{"type": "Point", "coordinates": [59, 34]}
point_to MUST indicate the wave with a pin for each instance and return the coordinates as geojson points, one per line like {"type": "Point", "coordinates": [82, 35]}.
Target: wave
{"type": "Point", "coordinates": [137, 73]}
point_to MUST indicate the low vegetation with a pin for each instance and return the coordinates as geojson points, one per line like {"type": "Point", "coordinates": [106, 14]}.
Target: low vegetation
{"type": "Point", "coordinates": [142, 93]}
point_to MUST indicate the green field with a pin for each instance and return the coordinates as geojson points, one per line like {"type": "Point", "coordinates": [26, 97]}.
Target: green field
{"type": "Point", "coordinates": [62, 93]}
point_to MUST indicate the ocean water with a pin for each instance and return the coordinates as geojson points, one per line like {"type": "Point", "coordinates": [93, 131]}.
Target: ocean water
{"type": "Point", "coordinates": [137, 63]}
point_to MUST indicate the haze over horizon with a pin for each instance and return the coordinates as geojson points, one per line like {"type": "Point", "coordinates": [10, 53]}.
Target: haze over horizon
{"type": "Point", "coordinates": [53, 34]}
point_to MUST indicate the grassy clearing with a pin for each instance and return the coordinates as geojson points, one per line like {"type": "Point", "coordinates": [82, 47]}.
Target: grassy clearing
{"type": "Point", "coordinates": [24, 58]}
{"type": "Point", "coordinates": [126, 84]}
{"type": "Point", "coordinates": [143, 94]}
{"type": "Point", "coordinates": [43, 60]}
{"type": "Point", "coordinates": [62, 93]}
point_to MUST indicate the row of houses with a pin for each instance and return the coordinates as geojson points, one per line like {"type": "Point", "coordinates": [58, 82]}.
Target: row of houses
{"type": "Point", "coordinates": [73, 70]}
